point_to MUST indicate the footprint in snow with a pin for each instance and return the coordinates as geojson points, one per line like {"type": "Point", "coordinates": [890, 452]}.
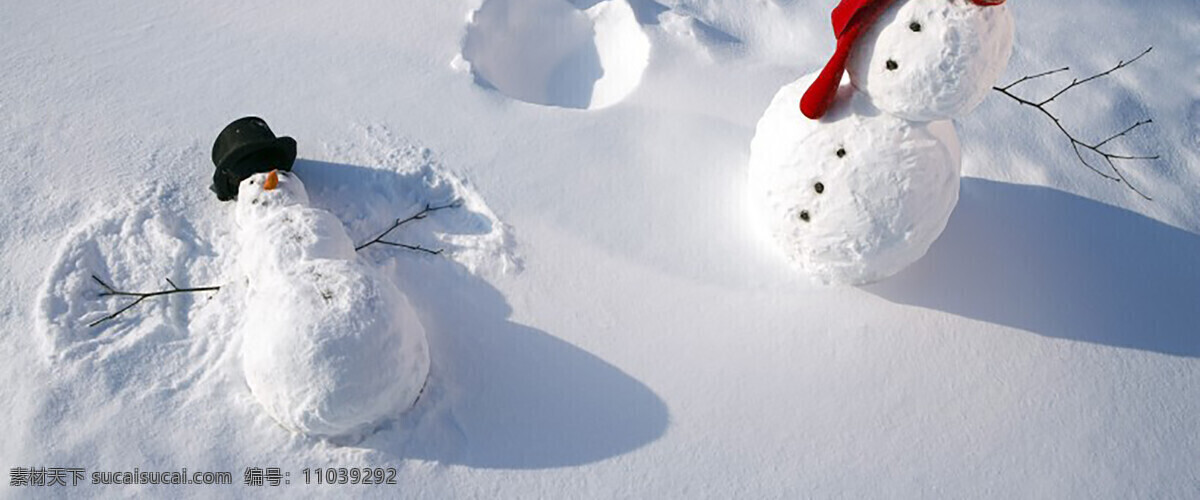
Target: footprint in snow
{"type": "Point", "coordinates": [584, 54]}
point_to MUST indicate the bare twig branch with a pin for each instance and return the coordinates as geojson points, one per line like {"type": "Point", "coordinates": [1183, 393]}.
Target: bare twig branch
{"type": "Point", "coordinates": [1077, 144]}
{"type": "Point", "coordinates": [1034, 77]}
{"type": "Point", "coordinates": [109, 291]}
{"type": "Point", "coordinates": [417, 248]}
{"type": "Point", "coordinates": [400, 222]}
{"type": "Point", "coordinates": [1077, 82]}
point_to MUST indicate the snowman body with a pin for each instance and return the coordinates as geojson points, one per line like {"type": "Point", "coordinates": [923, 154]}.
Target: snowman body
{"type": "Point", "coordinates": [856, 196]}
{"type": "Point", "coordinates": [329, 349]}
{"type": "Point", "coordinates": [926, 60]}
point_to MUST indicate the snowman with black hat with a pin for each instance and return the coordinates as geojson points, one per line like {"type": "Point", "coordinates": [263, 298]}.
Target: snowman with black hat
{"type": "Point", "coordinates": [244, 148]}
{"type": "Point", "coordinates": [329, 349]}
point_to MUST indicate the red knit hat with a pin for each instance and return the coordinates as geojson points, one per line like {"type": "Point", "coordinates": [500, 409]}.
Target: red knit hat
{"type": "Point", "coordinates": [850, 19]}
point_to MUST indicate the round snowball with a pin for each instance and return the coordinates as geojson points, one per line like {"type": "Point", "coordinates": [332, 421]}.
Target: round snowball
{"type": "Point", "coordinates": [928, 60]}
{"type": "Point", "coordinates": [331, 351]}
{"type": "Point", "coordinates": [857, 196]}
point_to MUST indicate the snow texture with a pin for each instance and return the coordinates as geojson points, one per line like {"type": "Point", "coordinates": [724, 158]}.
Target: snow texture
{"type": "Point", "coordinates": [932, 59]}
{"type": "Point", "coordinates": [134, 241]}
{"type": "Point", "coordinates": [856, 196]}
{"type": "Point", "coordinates": [604, 323]}
{"type": "Point", "coordinates": [330, 347]}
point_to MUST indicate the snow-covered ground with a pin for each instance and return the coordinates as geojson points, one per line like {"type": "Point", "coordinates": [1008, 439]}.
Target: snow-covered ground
{"type": "Point", "coordinates": [606, 324]}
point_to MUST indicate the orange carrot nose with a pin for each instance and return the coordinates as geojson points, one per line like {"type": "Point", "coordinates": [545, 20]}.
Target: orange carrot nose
{"type": "Point", "coordinates": [272, 181]}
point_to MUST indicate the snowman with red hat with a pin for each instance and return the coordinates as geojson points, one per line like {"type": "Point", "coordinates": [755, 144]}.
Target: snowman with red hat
{"type": "Point", "coordinates": [854, 170]}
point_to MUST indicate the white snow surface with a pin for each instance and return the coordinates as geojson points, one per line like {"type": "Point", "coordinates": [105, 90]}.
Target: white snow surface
{"type": "Point", "coordinates": [947, 56]}
{"type": "Point", "coordinates": [606, 324]}
{"type": "Point", "coordinates": [856, 196]}
{"type": "Point", "coordinates": [330, 347]}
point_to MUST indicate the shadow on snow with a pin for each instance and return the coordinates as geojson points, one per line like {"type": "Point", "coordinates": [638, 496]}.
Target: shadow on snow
{"type": "Point", "coordinates": [1062, 266]}
{"type": "Point", "coordinates": [502, 395]}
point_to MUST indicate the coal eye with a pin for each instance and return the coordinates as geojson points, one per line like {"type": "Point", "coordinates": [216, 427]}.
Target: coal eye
{"type": "Point", "coordinates": [819, 187]}
{"type": "Point", "coordinates": [805, 216]}
{"type": "Point", "coordinates": [841, 152]}
{"type": "Point", "coordinates": [892, 66]}
{"type": "Point", "coordinates": [915, 26]}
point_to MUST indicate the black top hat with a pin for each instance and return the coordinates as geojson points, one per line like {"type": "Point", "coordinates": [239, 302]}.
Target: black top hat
{"type": "Point", "coordinates": [246, 147]}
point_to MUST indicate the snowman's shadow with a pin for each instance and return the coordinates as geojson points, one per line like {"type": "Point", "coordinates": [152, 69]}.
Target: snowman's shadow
{"type": "Point", "coordinates": [1063, 266]}
{"type": "Point", "coordinates": [502, 395]}
{"type": "Point", "coordinates": [507, 396]}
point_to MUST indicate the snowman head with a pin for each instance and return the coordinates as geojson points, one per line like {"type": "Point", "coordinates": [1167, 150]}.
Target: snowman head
{"type": "Point", "coordinates": [930, 60]}
{"type": "Point", "coordinates": [921, 60]}
{"type": "Point", "coordinates": [263, 193]}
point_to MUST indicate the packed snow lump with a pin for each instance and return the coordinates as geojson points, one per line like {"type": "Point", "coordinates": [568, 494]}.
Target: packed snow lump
{"type": "Point", "coordinates": [329, 348]}
{"type": "Point", "coordinates": [856, 196]}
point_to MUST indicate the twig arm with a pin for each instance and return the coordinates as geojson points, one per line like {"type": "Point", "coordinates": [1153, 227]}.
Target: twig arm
{"type": "Point", "coordinates": [109, 291]}
{"type": "Point", "coordinates": [1032, 77]}
{"type": "Point", "coordinates": [1078, 145]}
{"type": "Point", "coordinates": [429, 209]}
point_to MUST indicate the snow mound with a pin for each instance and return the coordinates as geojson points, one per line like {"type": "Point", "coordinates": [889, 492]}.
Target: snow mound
{"type": "Point", "coordinates": [553, 53]}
